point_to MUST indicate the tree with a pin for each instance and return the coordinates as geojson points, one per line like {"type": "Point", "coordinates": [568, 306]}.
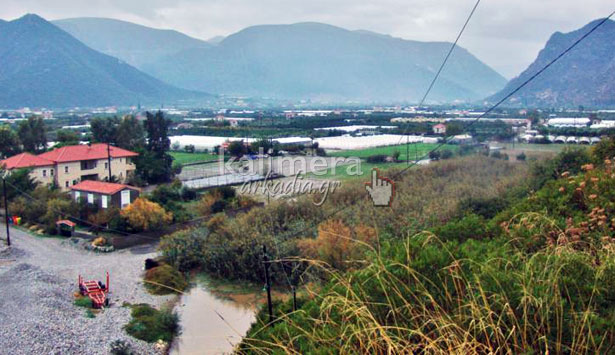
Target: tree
{"type": "Point", "coordinates": [18, 181]}
{"type": "Point", "coordinates": [453, 129]}
{"type": "Point", "coordinates": [236, 148]}
{"type": "Point", "coordinates": [157, 133]}
{"type": "Point", "coordinates": [9, 142]}
{"type": "Point", "coordinates": [154, 164]}
{"type": "Point", "coordinates": [67, 137]}
{"type": "Point", "coordinates": [32, 134]}
{"type": "Point", "coordinates": [145, 215]}
{"type": "Point", "coordinates": [130, 133]}
{"type": "Point", "coordinates": [104, 129]}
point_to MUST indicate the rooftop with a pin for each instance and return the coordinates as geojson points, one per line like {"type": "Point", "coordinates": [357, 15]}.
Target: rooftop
{"type": "Point", "coordinates": [85, 152]}
{"type": "Point", "coordinates": [101, 187]}
{"type": "Point", "coordinates": [25, 160]}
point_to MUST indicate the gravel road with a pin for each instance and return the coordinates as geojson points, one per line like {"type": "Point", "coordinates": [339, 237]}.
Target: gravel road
{"type": "Point", "coordinates": [38, 277]}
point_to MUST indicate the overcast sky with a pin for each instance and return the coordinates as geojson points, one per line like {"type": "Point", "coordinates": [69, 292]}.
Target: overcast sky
{"type": "Point", "coordinates": [506, 34]}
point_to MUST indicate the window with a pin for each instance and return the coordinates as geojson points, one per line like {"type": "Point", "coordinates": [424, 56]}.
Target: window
{"type": "Point", "coordinates": [106, 165]}
{"type": "Point", "coordinates": [51, 171]}
{"type": "Point", "coordinates": [74, 182]}
{"type": "Point", "coordinates": [66, 169]}
{"type": "Point", "coordinates": [66, 183]}
{"type": "Point", "coordinates": [77, 195]}
{"type": "Point", "coordinates": [90, 198]}
{"type": "Point", "coordinates": [44, 172]}
{"type": "Point", "coordinates": [121, 160]}
{"type": "Point", "coordinates": [104, 201]}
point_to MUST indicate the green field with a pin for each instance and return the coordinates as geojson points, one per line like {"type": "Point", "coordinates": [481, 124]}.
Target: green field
{"type": "Point", "coordinates": [187, 158]}
{"type": "Point", "coordinates": [416, 151]}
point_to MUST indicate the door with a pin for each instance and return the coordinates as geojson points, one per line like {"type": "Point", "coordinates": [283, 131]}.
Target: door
{"type": "Point", "coordinates": [125, 198]}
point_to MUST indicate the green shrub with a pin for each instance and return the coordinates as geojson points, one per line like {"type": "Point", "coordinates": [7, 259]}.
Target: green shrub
{"type": "Point", "coordinates": [85, 302]}
{"type": "Point", "coordinates": [521, 156]}
{"type": "Point", "coordinates": [378, 158]}
{"type": "Point", "coordinates": [184, 249]}
{"type": "Point", "coordinates": [447, 154]}
{"type": "Point", "coordinates": [151, 325]}
{"type": "Point", "coordinates": [164, 279]}
{"type": "Point", "coordinates": [120, 347]}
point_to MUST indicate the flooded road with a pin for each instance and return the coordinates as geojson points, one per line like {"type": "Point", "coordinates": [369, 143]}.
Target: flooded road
{"type": "Point", "coordinates": [203, 329]}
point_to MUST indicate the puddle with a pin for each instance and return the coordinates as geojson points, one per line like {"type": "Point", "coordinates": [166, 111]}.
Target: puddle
{"type": "Point", "coordinates": [203, 329]}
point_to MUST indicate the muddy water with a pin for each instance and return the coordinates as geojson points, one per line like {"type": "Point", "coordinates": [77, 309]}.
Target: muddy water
{"type": "Point", "coordinates": [203, 330]}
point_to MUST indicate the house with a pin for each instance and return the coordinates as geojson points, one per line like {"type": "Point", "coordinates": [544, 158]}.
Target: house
{"type": "Point", "coordinates": [440, 128]}
{"type": "Point", "coordinates": [69, 165]}
{"type": "Point", "coordinates": [105, 194]}
{"type": "Point", "coordinates": [42, 170]}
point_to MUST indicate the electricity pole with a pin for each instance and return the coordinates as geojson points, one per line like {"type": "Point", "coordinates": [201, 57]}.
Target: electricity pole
{"type": "Point", "coordinates": [6, 212]}
{"type": "Point", "coordinates": [268, 283]}
{"type": "Point", "coordinates": [109, 160]}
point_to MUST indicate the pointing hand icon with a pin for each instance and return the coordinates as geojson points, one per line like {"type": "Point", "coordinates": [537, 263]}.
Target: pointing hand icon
{"type": "Point", "coordinates": [380, 189]}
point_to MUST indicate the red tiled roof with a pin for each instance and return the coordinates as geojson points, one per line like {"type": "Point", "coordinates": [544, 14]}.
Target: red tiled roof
{"type": "Point", "coordinates": [85, 152]}
{"type": "Point", "coordinates": [101, 187]}
{"type": "Point", "coordinates": [66, 222]}
{"type": "Point", "coordinates": [25, 160]}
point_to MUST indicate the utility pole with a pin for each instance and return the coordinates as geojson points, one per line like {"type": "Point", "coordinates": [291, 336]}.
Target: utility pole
{"type": "Point", "coordinates": [294, 298]}
{"type": "Point", "coordinates": [6, 212]}
{"type": "Point", "coordinates": [268, 283]}
{"type": "Point", "coordinates": [109, 160]}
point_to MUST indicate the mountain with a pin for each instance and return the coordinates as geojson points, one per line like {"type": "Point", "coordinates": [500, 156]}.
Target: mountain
{"type": "Point", "coordinates": [132, 43]}
{"type": "Point", "coordinates": [45, 66]}
{"type": "Point", "coordinates": [216, 40]}
{"type": "Point", "coordinates": [584, 76]}
{"type": "Point", "coordinates": [322, 62]}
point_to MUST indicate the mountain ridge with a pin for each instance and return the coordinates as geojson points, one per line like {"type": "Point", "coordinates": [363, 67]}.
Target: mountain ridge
{"type": "Point", "coordinates": [584, 76]}
{"type": "Point", "coordinates": [136, 44]}
{"type": "Point", "coordinates": [311, 60]}
{"type": "Point", "coordinates": [44, 66]}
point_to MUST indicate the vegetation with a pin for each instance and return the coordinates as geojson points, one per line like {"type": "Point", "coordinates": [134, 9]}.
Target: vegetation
{"type": "Point", "coordinates": [151, 325]}
{"type": "Point", "coordinates": [32, 135]}
{"type": "Point", "coordinates": [188, 158]}
{"type": "Point", "coordinates": [143, 215]}
{"type": "Point", "coordinates": [520, 272]}
{"type": "Point", "coordinates": [164, 279]}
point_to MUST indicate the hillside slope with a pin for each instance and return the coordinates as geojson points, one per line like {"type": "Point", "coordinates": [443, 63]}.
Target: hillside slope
{"type": "Point", "coordinates": [584, 76]}
{"type": "Point", "coordinates": [45, 66]}
{"type": "Point", "coordinates": [323, 62]}
{"type": "Point", "coordinates": [132, 43]}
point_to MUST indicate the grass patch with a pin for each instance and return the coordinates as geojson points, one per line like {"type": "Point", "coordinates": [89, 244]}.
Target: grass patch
{"type": "Point", "coordinates": [415, 151]}
{"type": "Point", "coordinates": [164, 280]}
{"type": "Point", "coordinates": [151, 325]}
{"type": "Point", "coordinates": [84, 302]}
{"type": "Point", "coordinates": [341, 172]}
{"type": "Point", "coordinates": [89, 314]}
{"type": "Point", "coordinates": [187, 158]}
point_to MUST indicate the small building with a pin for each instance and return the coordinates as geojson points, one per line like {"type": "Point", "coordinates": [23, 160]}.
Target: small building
{"type": "Point", "coordinates": [105, 194]}
{"type": "Point", "coordinates": [440, 128]}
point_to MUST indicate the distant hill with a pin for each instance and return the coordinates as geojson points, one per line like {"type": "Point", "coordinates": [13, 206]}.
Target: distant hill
{"type": "Point", "coordinates": [216, 40]}
{"type": "Point", "coordinates": [584, 76]}
{"type": "Point", "coordinates": [323, 62]}
{"type": "Point", "coordinates": [135, 44]}
{"type": "Point", "coordinates": [43, 66]}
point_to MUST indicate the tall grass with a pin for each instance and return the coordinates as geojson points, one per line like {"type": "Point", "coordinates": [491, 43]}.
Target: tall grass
{"type": "Point", "coordinates": [430, 296]}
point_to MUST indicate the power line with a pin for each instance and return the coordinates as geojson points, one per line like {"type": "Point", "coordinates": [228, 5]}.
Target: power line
{"type": "Point", "coordinates": [493, 107]}
{"type": "Point", "coordinates": [435, 78]}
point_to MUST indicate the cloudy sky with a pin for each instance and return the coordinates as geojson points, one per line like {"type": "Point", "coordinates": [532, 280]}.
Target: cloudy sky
{"type": "Point", "coordinates": [506, 34]}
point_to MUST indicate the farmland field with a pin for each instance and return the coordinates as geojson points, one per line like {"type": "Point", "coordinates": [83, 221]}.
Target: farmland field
{"type": "Point", "coordinates": [187, 158]}
{"type": "Point", "coordinates": [416, 151]}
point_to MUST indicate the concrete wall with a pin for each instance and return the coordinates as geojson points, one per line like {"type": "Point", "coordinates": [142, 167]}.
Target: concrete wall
{"type": "Point", "coordinates": [119, 168]}
{"type": "Point", "coordinates": [43, 174]}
